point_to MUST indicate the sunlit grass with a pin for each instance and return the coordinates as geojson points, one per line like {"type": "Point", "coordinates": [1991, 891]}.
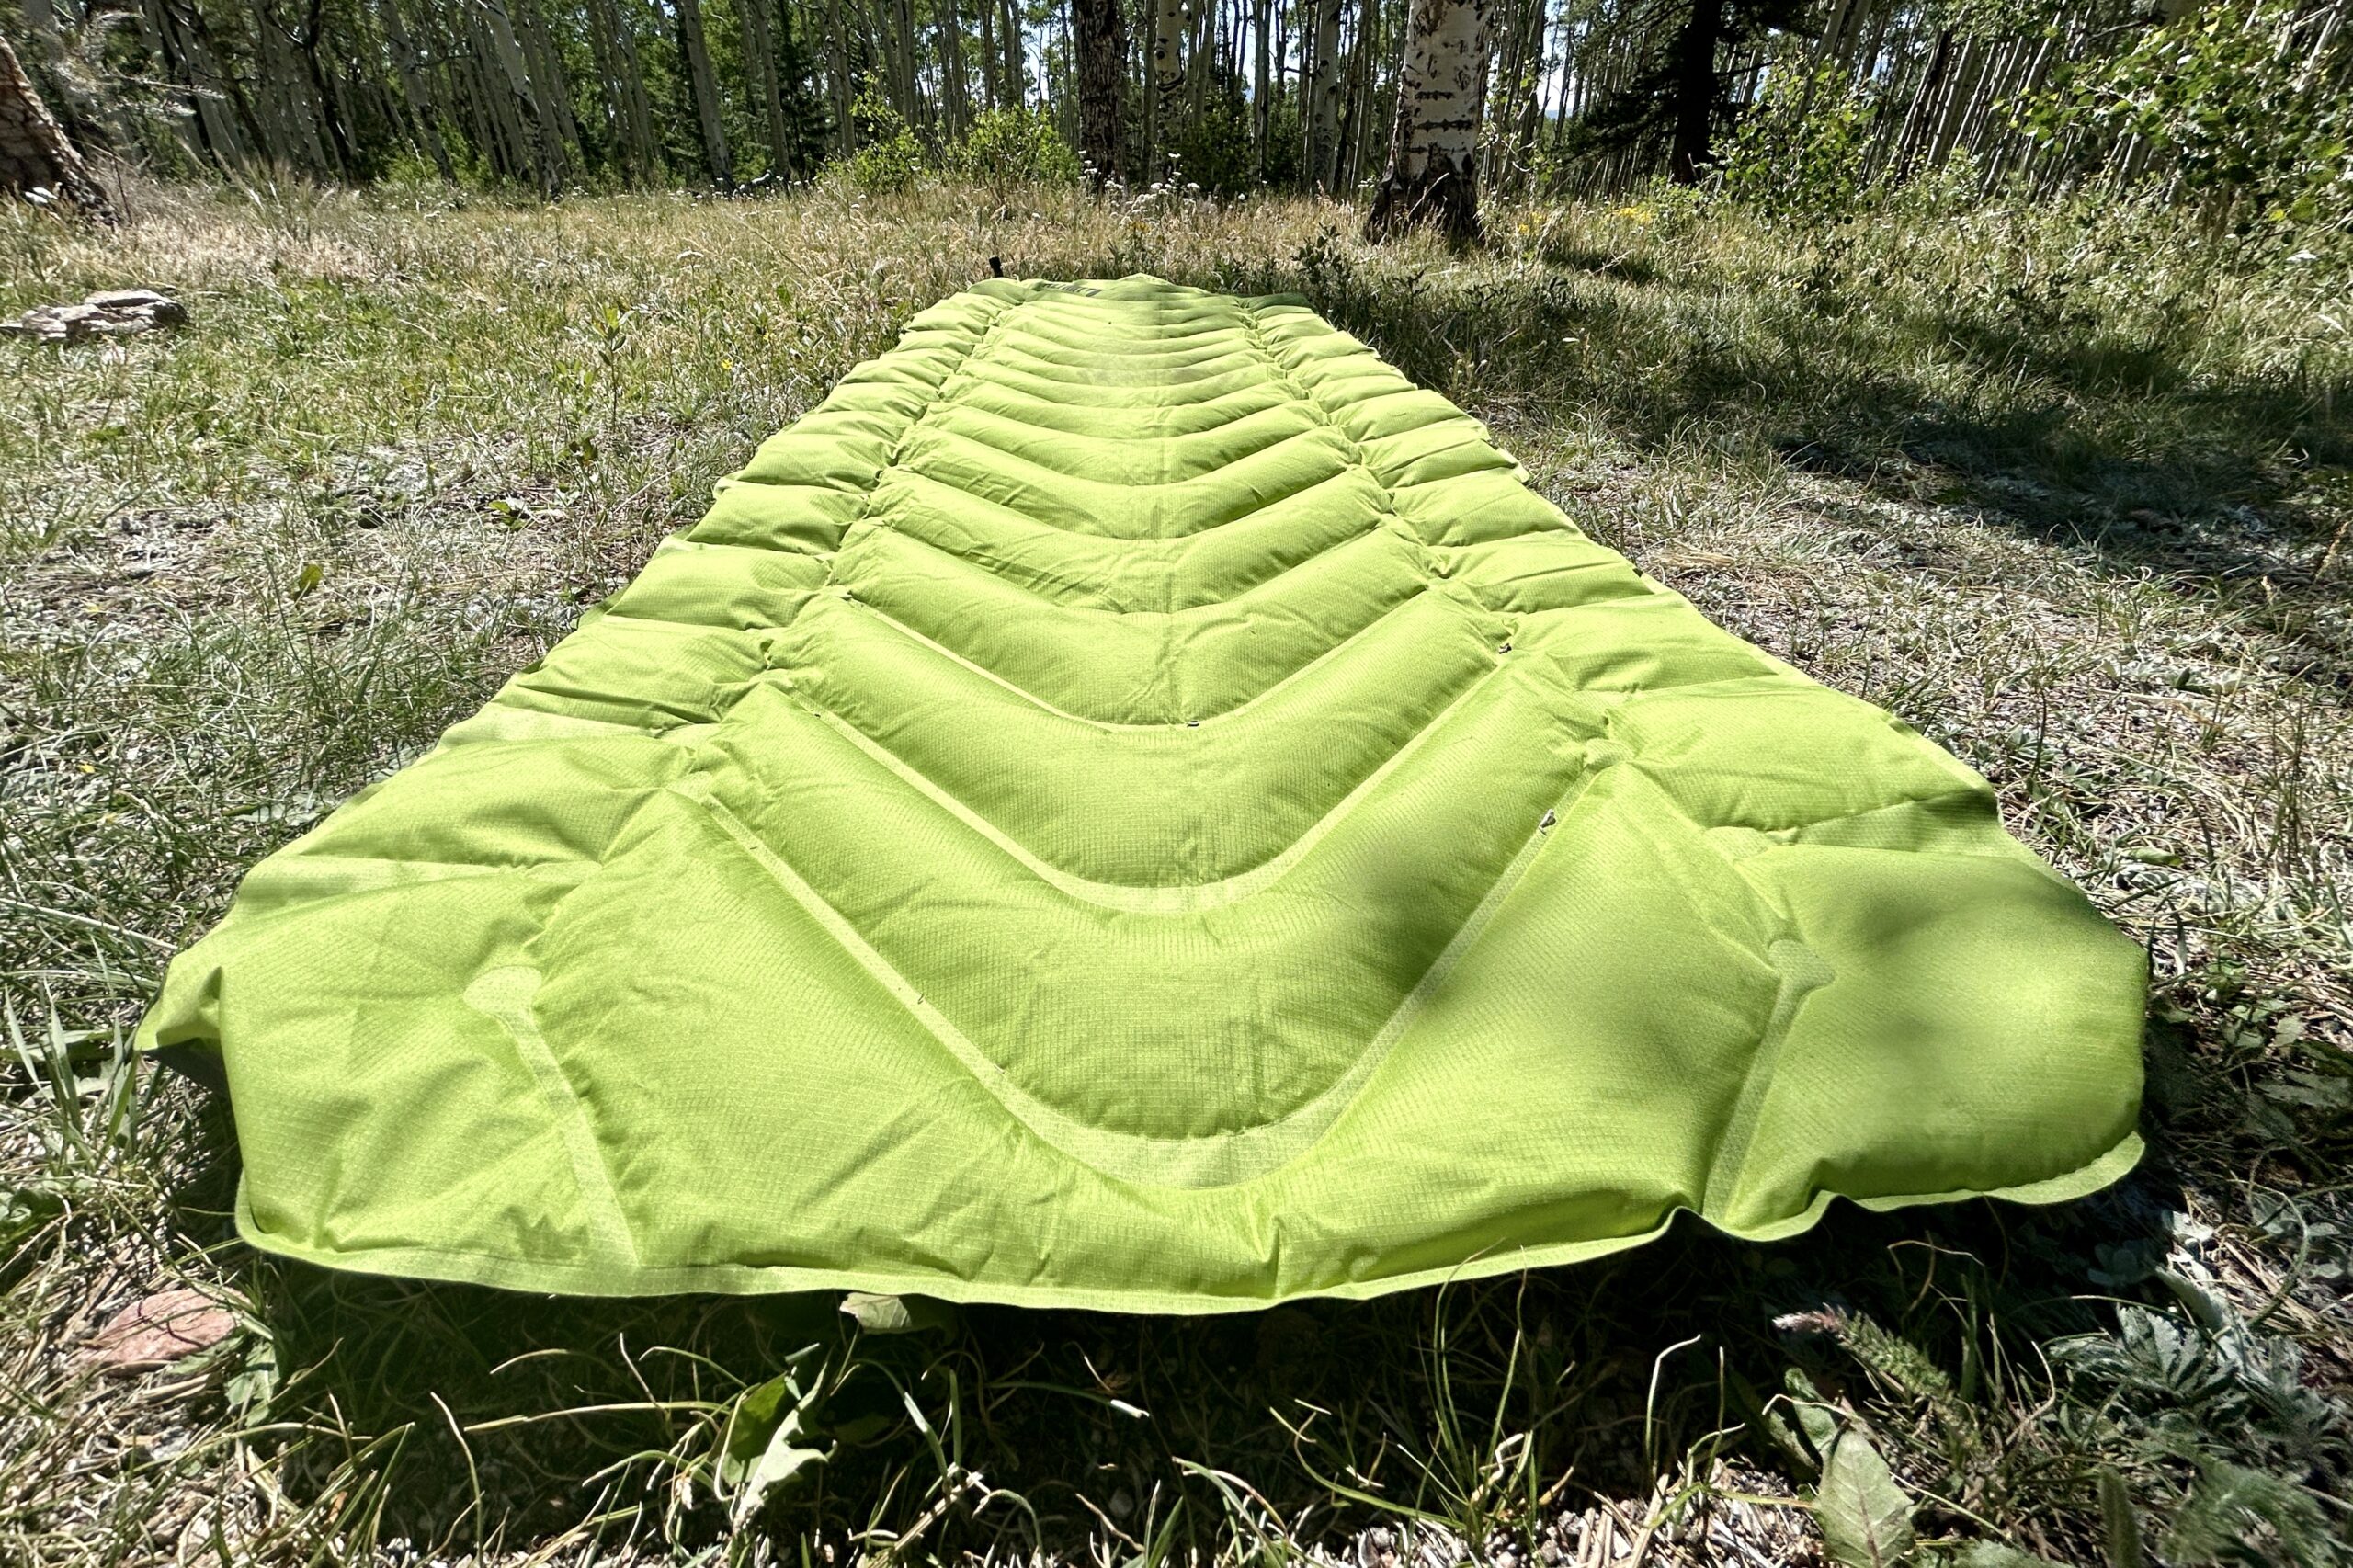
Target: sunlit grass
{"type": "Point", "coordinates": [2062, 488]}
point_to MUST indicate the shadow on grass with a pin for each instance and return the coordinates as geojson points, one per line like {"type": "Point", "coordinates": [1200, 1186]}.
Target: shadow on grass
{"type": "Point", "coordinates": [2233, 483]}
{"type": "Point", "coordinates": [467, 1416]}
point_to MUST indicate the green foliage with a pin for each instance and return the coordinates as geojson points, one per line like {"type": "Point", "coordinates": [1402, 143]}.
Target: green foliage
{"type": "Point", "coordinates": [888, 159]}
{"type": "Point", "coordinates": [774, 1432]}
{"type": "Point", "coordinates": [1803, 149]}
{"type": "Point", "coordinates": [2238, 1516]}
{"type": "Point", "coordinates": [1008, 148]}
{"type": "Point", "coordinates": [1214, 149]}
{"type": "Point", "coordinates": [2244, 110]}
{"type": "Point", "coordinates": [1638, 109]}
{"type": "Point", "coordinates": [1865, 1516]}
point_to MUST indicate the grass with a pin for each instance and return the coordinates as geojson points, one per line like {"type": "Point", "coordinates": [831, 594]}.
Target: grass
{"type": "Point", "coordinates": [2065, 489]}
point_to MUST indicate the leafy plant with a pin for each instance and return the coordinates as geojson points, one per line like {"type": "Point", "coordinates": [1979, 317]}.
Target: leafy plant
{"type": "Point", "coordinates": [1802, 148]}
{"type": "Point", "coordinates": [888, 159]}
{"type": "Point", "coordinates": [2245, 104]}
{"type": "Point", "coordinates": [1009, 148]}
{"type": "Point", "coordinates": [1865, 1518]}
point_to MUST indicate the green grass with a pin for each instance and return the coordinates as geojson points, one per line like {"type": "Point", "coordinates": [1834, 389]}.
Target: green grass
{"type": "Point", "coordinates": [2063, 489]}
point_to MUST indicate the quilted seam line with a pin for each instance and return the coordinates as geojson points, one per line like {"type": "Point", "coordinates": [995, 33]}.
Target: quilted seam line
{"type": "Point", "coordinates": [1388, 512]}
{"type": "Point", "coordinates": [945, 433]}
{"type": "Point", "coordinates": [505, 995]}
{"type": "Point", "coordinates": [904, 630]}
{"type": "Point", "coordinates": [1436, 567]}
{"type": "Point", "coordinates": [989, 555]}
{"type": "Point", "coordinates": [1137, 898]}
{"type": "Point", "coordinates": [1192, 1161]}
{"type": "Point", "coordinates": [1803, 971]}
{"type": "Point", "coordinates": [959, 558]}
{"type": "Point", "coordinates": [865, 503]}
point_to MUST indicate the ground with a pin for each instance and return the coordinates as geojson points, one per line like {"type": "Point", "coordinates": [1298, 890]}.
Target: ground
{"type": "Point", "coordinates": [2068, 488]}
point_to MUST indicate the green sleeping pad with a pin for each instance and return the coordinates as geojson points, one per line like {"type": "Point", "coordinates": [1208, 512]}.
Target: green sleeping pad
{"type": "Point", "coordinates": [1131, 803]}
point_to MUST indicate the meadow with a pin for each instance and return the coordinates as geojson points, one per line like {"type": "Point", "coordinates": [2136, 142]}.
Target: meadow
{"type": "Point", "coordinates": [2069, 487]}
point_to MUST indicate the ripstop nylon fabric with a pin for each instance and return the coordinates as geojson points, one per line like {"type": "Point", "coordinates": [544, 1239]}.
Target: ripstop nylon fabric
{"type": "Point", "coordinates": [1131, 803]}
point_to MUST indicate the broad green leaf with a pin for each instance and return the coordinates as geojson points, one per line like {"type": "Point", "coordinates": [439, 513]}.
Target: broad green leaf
{"type": "Point", "coordinates": [789, 1452]}
{"type": "Point", "coordinates": [751, 1423]}
{"type": "Point", "coordinates": [771, 1439]}
{"type": "Point", "coordinates": [1865, 1518]}
{"type": "Point", "coordinates": [1819, 1420]}
{"type": "Point", "coordinates": [1994, 1554]}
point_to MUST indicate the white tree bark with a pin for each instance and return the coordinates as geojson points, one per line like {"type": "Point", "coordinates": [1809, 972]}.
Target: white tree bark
{"type": "Point", "coordinates": [1167, 81]}
{"type": "Point", "coordinates": [1442, 97]}
{"type": "Point", "coordinates": [1323, 96]}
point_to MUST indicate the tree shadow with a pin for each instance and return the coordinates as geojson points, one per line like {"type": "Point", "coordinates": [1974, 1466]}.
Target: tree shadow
{"type": "Point", "coordinates": [2226, 483]}
{"type": "Point", "coordinates": [469, 1418]}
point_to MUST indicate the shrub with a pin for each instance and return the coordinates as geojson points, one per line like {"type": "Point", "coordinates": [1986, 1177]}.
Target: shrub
{"type": "Point", "coordinates": [889, 158]}
{"type": "Point", "coordinates": [1010, 147]}
{"type": "Point", "coordinates": [1213, 149]}
{"type": "Point", "coordinates": [2243, 104]}
{"type": "Point", "coordinates": [1803, 149]}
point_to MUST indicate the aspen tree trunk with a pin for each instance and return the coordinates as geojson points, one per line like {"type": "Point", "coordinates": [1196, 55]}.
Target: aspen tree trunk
{"type": "Point", "coordinates": [1918, 120]}
{"type": "Point", "coordinates": [500, 103]}
{"type": "Point", "coordinates": [537, 142]}
{"type": "Point", "coordinates": [888, 52]}
{"type": "Point", "coordinates": [1016, 59]}
{"type": "Point", "coordinates": [278, 97]}
{"type": "Point", "coordinates": [1356, 126]}
{"type": "Point", "coordinates": [902, 59]}
{"type": "Point", "coordinates": [696, 46]}
{"type": "Point", "coordinates": [609, 78]}
{"type": "Point", "coordinates": [1323, 97]}
{"type": "Point", "coordinates": [34, 153]}
{"type": "Point", "coordinates": [1511, 82]}
{"type": "Point", "coordinates": [634, 98]}
{"type": "Point", "coordinates": [1262, 83]}
{"type": "Point", "coordinates": [759, 60]}
{"type": "Point", "coordinates": [415, 91]}
{"type": "Point", "coordinates": [1099, 34]}
{"type": "Point", "coordinates": [553, 91]}
{"type": "Point", "coordinates": [1442, 97]}
{"type": "Point", "coordinates": [1167, 81]}
{"type": "Point", "coordinates": [1531, 102]}
{"type": "Point", "coordinates": [326, 90]}
{"type": "Point", "coordinates": [991, 94]}
{"type": "Point", "coordinates": [1200, 54]}
{"type": "Point", "coordinates": [1351, 57]}
{"type": "Point", "coordinates": [2003, 163]}
{"type": "Point", "coordinates": [837, 76]}
{"type": "Point", "coordinates": [949, 36]}
{"type": "Point", "coordinates": [224, 119]}
{"type": "Point", "coordinates": [1962, 103]}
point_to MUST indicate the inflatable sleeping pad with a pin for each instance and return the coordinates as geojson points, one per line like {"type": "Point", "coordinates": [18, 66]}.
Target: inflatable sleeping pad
{"type": "Point", "coordinates": [1131, 803]}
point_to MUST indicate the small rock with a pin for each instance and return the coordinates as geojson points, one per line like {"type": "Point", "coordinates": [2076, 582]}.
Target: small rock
{"type": "Point", "coordinates": [156, 1331]}
{"type": "Point", "coordinates": [166, 311]}
{"type": "Point", "coordinates": [110, 312]}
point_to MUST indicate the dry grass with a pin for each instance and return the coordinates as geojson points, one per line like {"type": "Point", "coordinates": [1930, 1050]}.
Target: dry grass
{"type": "Point", "coordinates": [2068, 493]}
